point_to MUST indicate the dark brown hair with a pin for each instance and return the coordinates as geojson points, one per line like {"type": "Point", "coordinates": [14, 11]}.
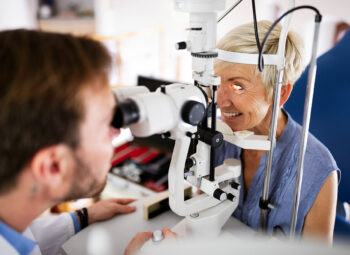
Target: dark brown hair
{"type": "Point", "coordinates": [41, 76]}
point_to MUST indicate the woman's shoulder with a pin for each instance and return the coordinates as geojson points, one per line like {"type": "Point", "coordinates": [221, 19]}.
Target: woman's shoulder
{"type": "Point", "coordinates": [318, 158]}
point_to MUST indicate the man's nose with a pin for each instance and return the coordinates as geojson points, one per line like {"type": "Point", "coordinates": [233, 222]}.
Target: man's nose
{"type": "Point", "coordinates": [114, 132]}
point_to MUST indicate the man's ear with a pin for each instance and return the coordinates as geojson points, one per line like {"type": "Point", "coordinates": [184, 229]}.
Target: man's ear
{"type": "Point", "coordinates": [51, 168]}
{"type": "Point", "coordinates": [286, 90]}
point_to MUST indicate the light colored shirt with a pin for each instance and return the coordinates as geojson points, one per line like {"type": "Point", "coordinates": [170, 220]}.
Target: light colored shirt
{"type": "Point", "coordinates": [44, 236]}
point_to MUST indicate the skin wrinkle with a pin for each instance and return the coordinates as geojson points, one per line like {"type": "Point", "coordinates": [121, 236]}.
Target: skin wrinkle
{"type": "Point", "coordinates": [252, 101]}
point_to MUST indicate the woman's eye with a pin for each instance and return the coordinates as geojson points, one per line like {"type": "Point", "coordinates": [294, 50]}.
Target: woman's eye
{"type": "Point", "coordinates": [237, 87]}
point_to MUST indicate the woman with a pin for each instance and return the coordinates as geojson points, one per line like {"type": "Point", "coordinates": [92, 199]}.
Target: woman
{"type": "Point", "coordinates": [245, 100]}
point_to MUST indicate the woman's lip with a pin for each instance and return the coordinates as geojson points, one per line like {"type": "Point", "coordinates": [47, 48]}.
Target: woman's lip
{"type": "Point", "coordinates": [231, 114]}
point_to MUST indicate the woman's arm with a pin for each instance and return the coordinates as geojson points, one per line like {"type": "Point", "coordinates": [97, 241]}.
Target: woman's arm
{"type": "Point", "coordinates": [319, 222]}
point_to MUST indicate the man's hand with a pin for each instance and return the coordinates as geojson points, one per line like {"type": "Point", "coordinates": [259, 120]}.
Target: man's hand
{"type": "Point", "coordinates": [139, 240]}
{"type": "Point", "coordinates": [106, 209]}
{"type": "Point", "coordinates": [168, 233]}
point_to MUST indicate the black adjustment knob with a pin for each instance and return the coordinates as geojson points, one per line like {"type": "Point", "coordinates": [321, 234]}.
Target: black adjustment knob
{"type": "Point", "coordinates": [212, 138]}
{"type": "Point", "coordinates": [181, 45]}
{"type": "Point", "coordinates": [192, 112]}
{"type": "Point", "coordinates": [165, 135]}
{"type": "Point", "coordinates": [235, 185]}
{"type": "Point", "coordinates": [230, 196]}
{"type": "Point", "coordinates": [219, 194]}
{"type": "Point", "coordinates": [162, 89]}
{"type": "Point", "coordinates": [190, 162]}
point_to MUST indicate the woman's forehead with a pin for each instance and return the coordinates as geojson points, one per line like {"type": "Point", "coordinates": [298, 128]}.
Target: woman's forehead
{"type": "Point", "coordinates": [227, 69]}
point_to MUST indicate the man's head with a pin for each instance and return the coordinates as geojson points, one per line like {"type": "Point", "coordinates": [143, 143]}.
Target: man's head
{"type": "Point", "coordinates": [55, 110]}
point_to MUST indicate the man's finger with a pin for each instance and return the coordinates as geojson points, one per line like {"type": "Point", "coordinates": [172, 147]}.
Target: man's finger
{"type": "Point", "coordinates": [124, 209]}
{"type": "Point", "coordinates": [123, 201]}
{"type": "Point", "coordinates": [168, 233]}
{"type": "Point", "coordinates": [137, 242]}
{"type": "Point", "coordinates": [143, 237]}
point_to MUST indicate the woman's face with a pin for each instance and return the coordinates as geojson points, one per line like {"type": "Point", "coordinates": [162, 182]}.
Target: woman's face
{"type": "Point", "coordinates": [242, 97]}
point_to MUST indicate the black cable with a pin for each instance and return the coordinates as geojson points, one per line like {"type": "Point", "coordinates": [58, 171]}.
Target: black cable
{"type": "Point", "coordinates": [317, 19]}
{"type": "Point", "coordinates": [213, 129]}
{"type": "Point", "coordinates": [256, 30]}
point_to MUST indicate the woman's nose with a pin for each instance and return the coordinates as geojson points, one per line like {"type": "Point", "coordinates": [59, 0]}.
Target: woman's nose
{"type": "Point", "coordinates": [223, 98]}
{"type": "Point", "coordinates": [226, 103]}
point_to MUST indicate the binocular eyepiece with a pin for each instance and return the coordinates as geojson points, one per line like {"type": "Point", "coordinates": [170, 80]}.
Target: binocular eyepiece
{"type": "Point", "coordinates": [148, 113]}
{"type": "Point", "coordinates": [126, 113]}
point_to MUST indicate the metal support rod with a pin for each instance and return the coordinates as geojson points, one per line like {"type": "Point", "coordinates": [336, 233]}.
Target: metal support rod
{"type": "Point", "coordinates": [213, 128]}
{"type": "Point", "coordinates": [272, 139]}
{"type": "Point", "coordinates": [305, 130]}
{"type": "Point", "coordinates": [229, 10]}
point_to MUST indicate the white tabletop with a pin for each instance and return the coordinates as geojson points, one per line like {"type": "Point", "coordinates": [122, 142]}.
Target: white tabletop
{"type": "Point", "coordinates": [112, 236]}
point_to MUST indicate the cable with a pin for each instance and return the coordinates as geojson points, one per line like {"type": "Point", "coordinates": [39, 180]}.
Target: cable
{"type": "Point", "coordinates": [317, 19]}
{"type": "Point", "coordinates": [229, 10]}
{"type": "Point", "coordinates": [256, 31]}
{"type": "Point", "coordinates": [213, 129]}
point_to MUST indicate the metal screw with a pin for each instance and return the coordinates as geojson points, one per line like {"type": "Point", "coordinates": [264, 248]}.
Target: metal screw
{"type": "Point", "coordinates": [194, 215]}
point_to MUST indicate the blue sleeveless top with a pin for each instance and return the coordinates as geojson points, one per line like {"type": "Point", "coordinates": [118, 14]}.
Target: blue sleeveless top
{"type": "Point", "coordinates": [318, 164]}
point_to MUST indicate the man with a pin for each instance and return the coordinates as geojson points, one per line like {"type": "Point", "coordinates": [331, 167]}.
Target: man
{"type": "Point", "coordinates": [55, 113]}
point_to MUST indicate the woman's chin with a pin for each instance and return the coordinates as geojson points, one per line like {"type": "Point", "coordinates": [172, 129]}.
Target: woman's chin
{"type": "Point", "coordinates": [236, 128]}
{"type": "Point", "coordinates": [235, 125]}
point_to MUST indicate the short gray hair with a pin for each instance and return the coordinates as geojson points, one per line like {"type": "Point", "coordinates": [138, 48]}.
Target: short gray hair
{"type": "Point", "coordinates": [242, 39]}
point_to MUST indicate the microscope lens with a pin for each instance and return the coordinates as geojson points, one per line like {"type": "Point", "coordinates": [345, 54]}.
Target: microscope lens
{"type": "Point", "coordinates": [126, 113]}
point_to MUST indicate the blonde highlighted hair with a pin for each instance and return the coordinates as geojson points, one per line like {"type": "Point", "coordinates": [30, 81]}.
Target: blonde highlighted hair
{"type": "Point", "coordinates": [242, 39]}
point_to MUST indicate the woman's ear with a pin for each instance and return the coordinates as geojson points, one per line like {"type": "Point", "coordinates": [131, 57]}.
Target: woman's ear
{"type": "Point", "coordinates": [286, 90]}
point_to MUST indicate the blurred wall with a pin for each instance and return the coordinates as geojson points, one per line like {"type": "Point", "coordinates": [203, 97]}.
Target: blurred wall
{"type": "Point", "coordinates": [18, 14]}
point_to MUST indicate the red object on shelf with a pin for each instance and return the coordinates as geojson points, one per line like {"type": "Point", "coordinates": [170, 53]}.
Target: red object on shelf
{"type": "Point", "coordinates": [141, 155]}
{"type": "Point", "coordinates": [147, 156]}
{"type": "Point", "coordinates": [154, 186]}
